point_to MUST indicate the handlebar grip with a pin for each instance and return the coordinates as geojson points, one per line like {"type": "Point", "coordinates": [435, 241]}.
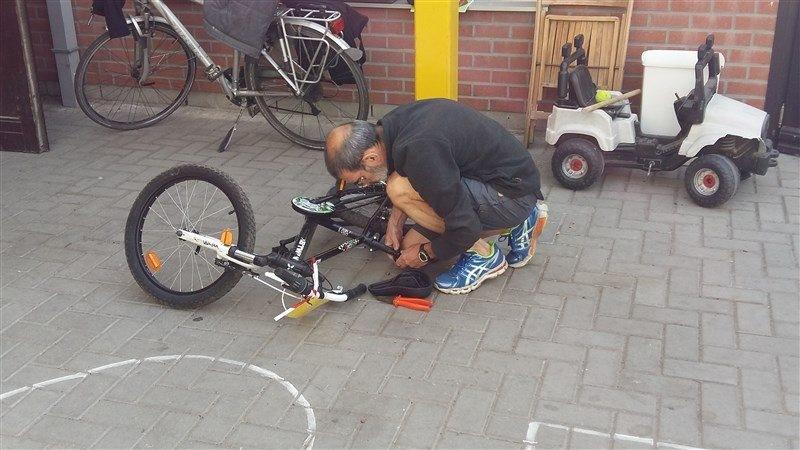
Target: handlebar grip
{"type": "Point", "coordinates": [294, 282]}
{"type": "Point", "coordinates": [356, 291]}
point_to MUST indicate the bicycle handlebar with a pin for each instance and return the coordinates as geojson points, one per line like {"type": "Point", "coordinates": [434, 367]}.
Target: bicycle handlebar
{"type": "Point", "coordinates": [300, 285]}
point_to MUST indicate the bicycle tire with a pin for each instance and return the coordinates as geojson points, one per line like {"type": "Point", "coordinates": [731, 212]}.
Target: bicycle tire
{"type": "Point", "coordinates": [133, 228]}
{"type": "Point", "coordinates": [86, 60]}
{"type": "Point", "coordinates": [251, 66]}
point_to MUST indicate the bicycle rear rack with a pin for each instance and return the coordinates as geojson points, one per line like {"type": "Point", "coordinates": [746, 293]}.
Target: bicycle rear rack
{"type": "Point", "coordinates": [314, 15]}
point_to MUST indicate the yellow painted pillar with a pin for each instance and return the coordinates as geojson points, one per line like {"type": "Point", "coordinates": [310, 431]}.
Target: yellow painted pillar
{"type": "Point", "coordinates": [436, 46]}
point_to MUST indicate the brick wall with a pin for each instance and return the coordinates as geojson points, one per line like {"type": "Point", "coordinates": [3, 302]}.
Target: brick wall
{"type": "Point", "coordinates": [495, 47]}
{"type": "Point", "coordinates": [42, 43]}
{"type": "Point", "coordinates": [743, 32]}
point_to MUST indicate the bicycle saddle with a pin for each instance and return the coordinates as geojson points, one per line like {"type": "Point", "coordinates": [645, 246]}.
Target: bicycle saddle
{"type": "Point", "coordinates": [305, 206]}
{"type": "Point", "coordinates": [408, 283]}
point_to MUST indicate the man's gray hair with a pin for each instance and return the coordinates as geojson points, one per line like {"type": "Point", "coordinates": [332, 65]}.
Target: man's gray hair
{"type": "Point", "coordinates": [360, 136]}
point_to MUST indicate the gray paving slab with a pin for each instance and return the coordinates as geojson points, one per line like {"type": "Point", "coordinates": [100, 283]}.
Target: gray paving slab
{"type": "Point", "coordinates": [641, 314]}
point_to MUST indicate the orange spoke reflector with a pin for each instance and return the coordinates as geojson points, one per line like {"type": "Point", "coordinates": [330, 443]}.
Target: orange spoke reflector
{"type": "Point", "coordinates": [153, 261]}
{"type": "Point", "coordinates": [226, 236]}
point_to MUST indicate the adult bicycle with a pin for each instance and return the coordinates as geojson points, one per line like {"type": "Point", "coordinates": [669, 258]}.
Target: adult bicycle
{"type": "Point", "coordinates": [138, 80]}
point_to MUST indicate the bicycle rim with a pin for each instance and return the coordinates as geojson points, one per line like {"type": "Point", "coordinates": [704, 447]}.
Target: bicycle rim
{"type": "Point", "coordinates": [191, 204]}
{"type": "Point", "coordinates": [112, 90]}
{"type": "Point", "coordinates": [306, 119]}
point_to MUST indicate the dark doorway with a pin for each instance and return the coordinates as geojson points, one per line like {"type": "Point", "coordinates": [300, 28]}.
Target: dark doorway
{"type": "Point", "coordinates": [783, 88]}
{"type": "Point", "coordinates": [21, 121]}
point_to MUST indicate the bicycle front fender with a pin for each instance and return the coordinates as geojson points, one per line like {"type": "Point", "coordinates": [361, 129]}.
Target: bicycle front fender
{"type": "Point", "coordinates": [343, 47]}
{"type": "Point", "coordinates": [132, 19]}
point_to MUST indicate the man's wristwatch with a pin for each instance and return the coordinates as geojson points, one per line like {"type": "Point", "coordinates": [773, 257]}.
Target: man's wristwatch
{"type": "Point", "coordinates": [423, 255]}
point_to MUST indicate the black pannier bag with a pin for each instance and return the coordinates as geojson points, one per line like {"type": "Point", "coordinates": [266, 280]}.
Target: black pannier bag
{"type": "Point", "coordinates": [115, 17]}
{"type": "Point", "coordinates": [242, 24]}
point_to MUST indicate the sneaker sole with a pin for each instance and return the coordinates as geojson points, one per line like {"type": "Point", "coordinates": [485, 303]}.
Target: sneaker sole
{"type": "Point", "coordinates": [541, 222]}
{"type": "Point", "coordinates": [467, 289]}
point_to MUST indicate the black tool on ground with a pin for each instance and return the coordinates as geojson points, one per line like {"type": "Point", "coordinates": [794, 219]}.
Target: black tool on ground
{"type": "Point", "coordinates": [408, 283]}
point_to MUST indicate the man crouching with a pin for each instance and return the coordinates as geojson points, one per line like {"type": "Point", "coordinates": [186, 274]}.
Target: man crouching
{"type": "Point", "coordinates": [459, 175]}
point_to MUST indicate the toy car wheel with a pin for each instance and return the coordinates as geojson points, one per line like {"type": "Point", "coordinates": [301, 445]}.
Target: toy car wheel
{"type": "Point", "coordinates": [577, 163]}
{"type": "Point", "coordinates": [711, 180]}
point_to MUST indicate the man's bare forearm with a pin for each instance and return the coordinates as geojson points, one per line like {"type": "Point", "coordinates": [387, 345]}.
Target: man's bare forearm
{"type": "Point", "coordinates": [397, 217]}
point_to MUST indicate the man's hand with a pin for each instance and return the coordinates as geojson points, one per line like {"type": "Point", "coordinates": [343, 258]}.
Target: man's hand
{"type": "Point", "coordinates": [394, 235]}
{"type": "Point", "coordinates": [410, 258]}
{"type": "Point", "coordinates": [394, 229]}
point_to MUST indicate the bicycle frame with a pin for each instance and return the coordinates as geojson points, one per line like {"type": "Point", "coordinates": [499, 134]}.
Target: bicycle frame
{"type": "Point", "coordinates": [214, 72]}
{"type": "Point", "coordinates": [292, 262]}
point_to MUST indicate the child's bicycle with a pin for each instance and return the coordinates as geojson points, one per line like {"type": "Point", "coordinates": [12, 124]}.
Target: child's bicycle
{"type": "Point", "coordinates": [190, 237]}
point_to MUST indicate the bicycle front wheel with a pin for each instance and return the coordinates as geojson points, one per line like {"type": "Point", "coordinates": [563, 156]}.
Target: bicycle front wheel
{"type": "Point", "coordinates": [132, 82]}
{"type": "Point", "coordinates": [333, 90]}
{"type": "Point", "coordinates": [194, 198]}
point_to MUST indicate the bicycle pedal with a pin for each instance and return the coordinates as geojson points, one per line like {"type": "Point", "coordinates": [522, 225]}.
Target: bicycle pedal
{"type": "Point", "coordinates": [252, 108]}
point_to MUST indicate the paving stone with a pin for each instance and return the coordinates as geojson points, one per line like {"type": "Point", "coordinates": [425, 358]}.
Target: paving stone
{"type": "Point", "coordinates": [460, 347]}
{"type": "Point", "coordinates": [456, 440]}
{"type": "Point", "coordinates": [602, 367]}
{"type": "Point", "coordinates": [372, 404]}
{"type": "Point", "coordinates": [629, 327]}
{"type": "Point", "coordinates": [714, 436]}
{"type": "Point", "coordinates": [83, 395]}
{"type": "Point", "coordinates": [635, 425]}
{"type": "Point", "coordinates": [27, 410]}
{"type": "Point", "coordinates": [515, 396]}
{"type": "Point", "coordinates": [500, 335]}
{"type": "Point", "coordinates": [584, 416]}
{"type": "Point", "coordinates": [560, 381]}
{"type": "Point", "coordinates": [718, 330]}
{"type": "Point", "coordinates": [678, 421]}
{"type": "Point", "coordinates": [682, 342]}
{"type": "Point", "coordinates": [417, 360]}
{"type": "Point", "coordinates": [643, 355]}
{"type": "Point", "coordinates": [506, 427]}
{"type": "Point", "coordinates": [613, 399]}
{"type": "Point", "coordinates": [508, 363]}
{"type": "Point", "coordinates": [61, 430]}
{"type": "Point", "coordinates": [246, 435]}
{"type": "Point", "coordinates": [469, 412]}
{"type": "Point", "coordinates": [421, 390]}
{"type": "Point", "coordinates": [119, 437]}
{"type": "Point", "coordinates": [761, 390]}
{"type": "Point", "coordinates": [753, 319]}
{"type": "Point", "coordinates": [540, 323]}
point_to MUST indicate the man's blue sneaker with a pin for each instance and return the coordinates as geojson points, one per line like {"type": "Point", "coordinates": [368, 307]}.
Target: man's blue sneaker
{"type": "Point", "coordinates": [470, 271]}
{"type": "Point", "coordinates": [522, 238]}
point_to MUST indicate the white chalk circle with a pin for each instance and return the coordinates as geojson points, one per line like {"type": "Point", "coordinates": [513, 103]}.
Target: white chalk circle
{"type": "Point", "coordinates": [298, 398]}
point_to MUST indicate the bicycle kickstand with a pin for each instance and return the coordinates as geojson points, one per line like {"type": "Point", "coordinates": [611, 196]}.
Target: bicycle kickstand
{"type": "Point", "coordinates": [226, 141]}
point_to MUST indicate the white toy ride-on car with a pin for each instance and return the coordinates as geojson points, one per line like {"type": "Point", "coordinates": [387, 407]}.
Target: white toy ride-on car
{"type": "Point", "coordinates": [725, 138]}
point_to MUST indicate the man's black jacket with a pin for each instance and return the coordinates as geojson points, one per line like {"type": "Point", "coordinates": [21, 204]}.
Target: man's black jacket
{"type": "Point", "coordinates": [436, 143]}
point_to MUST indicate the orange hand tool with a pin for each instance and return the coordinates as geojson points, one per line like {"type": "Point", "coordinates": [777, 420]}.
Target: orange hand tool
{"type": "Point", "coordinates": [417, 304]}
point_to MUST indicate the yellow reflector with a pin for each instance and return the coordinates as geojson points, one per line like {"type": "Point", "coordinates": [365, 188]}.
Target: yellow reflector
{"type": "Point", "coordinates": [304, 307]}
{"type": "Point", "coordinates": [153, 261]}
{"type": "Point", "coordinates": [226, 237]}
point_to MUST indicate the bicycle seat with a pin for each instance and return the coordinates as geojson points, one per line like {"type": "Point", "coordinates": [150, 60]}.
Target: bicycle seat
{"type": "Point", "coordinates": [305, 206]}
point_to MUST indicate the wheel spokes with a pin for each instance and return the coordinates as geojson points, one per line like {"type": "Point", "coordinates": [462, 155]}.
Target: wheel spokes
{"type": "Point", "coordinates": [189, 204]}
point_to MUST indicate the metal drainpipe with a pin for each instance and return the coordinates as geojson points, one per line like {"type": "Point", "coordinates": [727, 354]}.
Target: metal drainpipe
{"type": "Point", "coordinates": [65, 47]}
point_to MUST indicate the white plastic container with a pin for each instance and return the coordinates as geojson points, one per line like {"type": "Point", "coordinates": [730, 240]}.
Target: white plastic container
{"type": "Point", "coordinates": [666, 73]}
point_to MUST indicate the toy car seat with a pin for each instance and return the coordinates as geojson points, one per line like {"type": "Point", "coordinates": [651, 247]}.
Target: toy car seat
{"type": "Point", "coordinates": [576, 89]}
{"type": "Point", "coordinates": [582, 87]}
